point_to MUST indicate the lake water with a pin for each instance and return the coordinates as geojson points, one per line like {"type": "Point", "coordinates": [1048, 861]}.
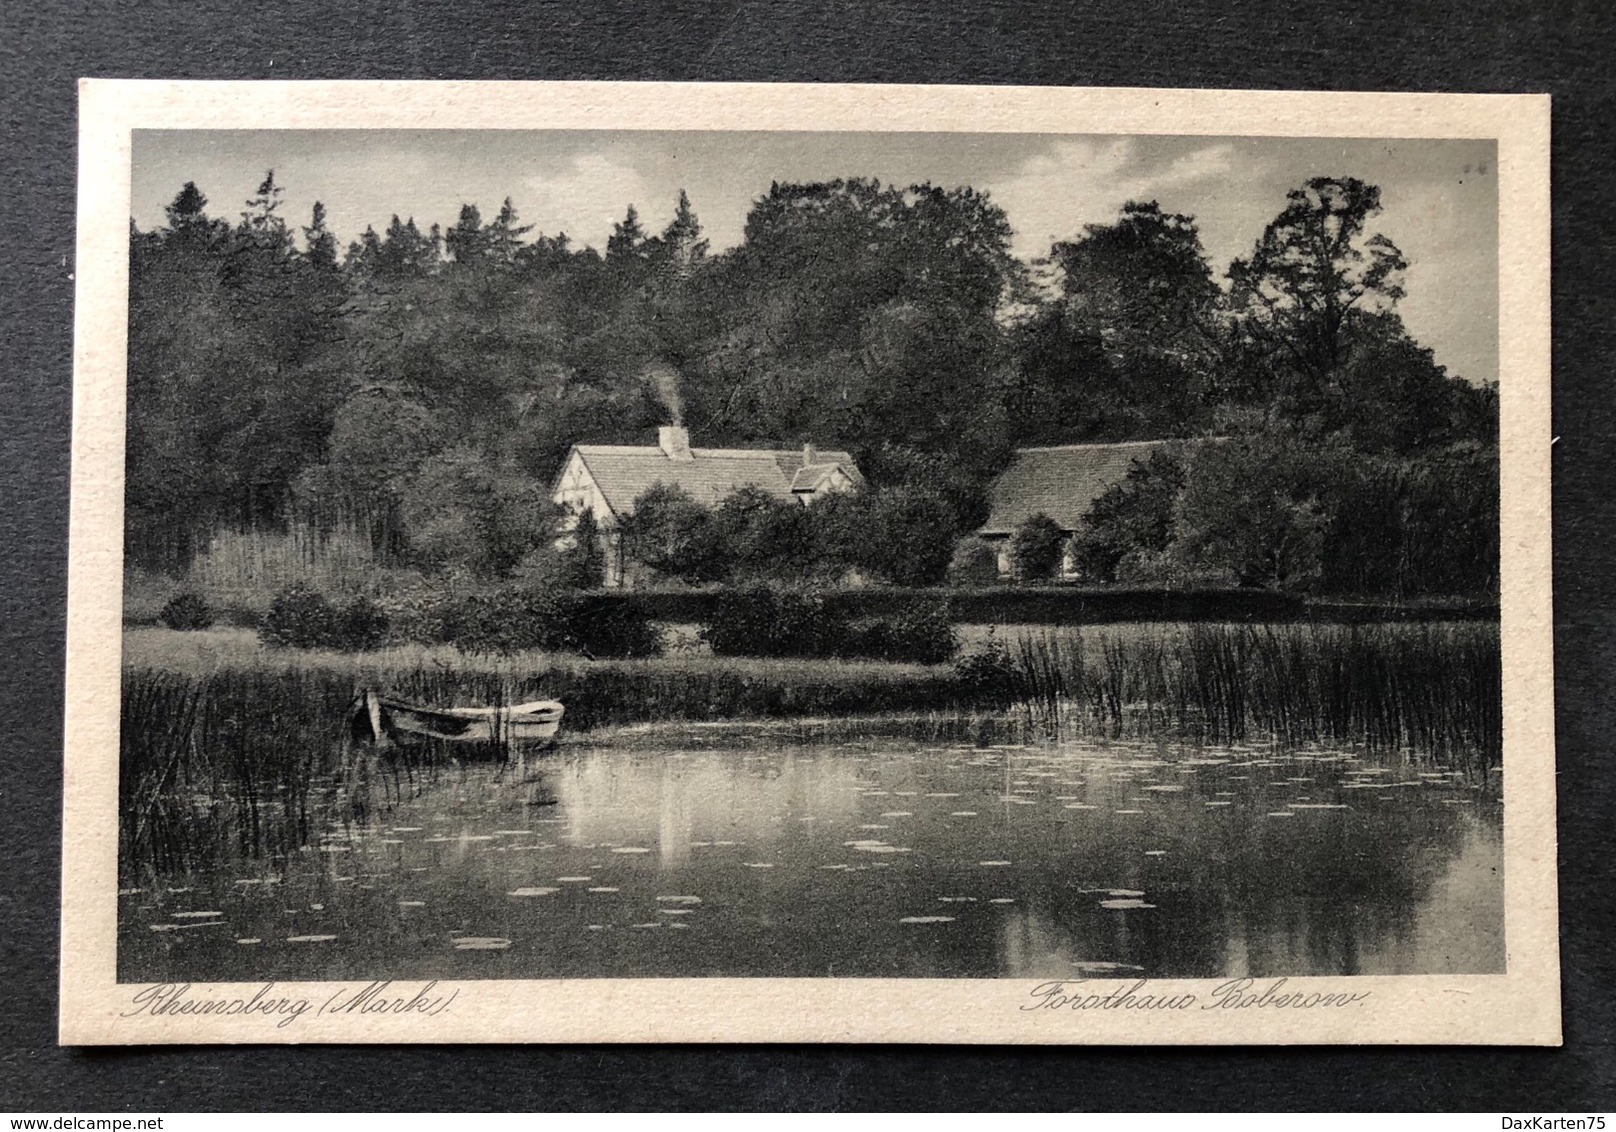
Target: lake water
{"type": "Point", "coordinates": [875, 859]}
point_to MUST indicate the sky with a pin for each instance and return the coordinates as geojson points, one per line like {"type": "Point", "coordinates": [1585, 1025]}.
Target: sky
{"type": "Point", "coordinates": [1440, 197]}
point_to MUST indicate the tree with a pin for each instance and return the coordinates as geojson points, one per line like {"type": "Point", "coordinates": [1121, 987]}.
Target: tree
{"type": "Point", "coordinates": [1036, 548]}
{"type": "Point", "coordinates": [320, 246]}
{"type": "Point", "coordinates": [674, 535]}
{"type": "Point", "coordinates": [583, 563]}
{"type": "Point", "coordinates": [1141, 284]}
{"type": "Point", "coordinates": [1407, 526]}
{"type": "Point", "coordinates": [907, 536]}
{"type": "Point", "coordinates": [236, 364]}
{"type": "Point", "coordinates": [378, 440]}
{"type": "Point", "coordinates": [260, 221]}
{"type": "Point", "coordinates": [1316, 264]}
{"type": "Point", "coordinates": [502, 239]}
{"type": "Point", "coordinates": [1391, 397]}
{"type": "Point", "coordinates": [465, 514]}
{"type": "Point", "coordinates": [1254, 507]}
{"type": "Point", "coordinates": [1132, 522]}
{"type": "Point", "coordinates": [187, 213]}
{"type": "Point", "coordinates": [768, 537]}
{"type": "Point", "coordinates": [855, 313]}
{"type": "Point", "coordinates": [627, 241]}
{"type": "Point", "coordinates": [467, 242]}
{"type": "Point", "coordinates": [681, 249]}
{"type": "Point", "coordinates": [1127, 349]}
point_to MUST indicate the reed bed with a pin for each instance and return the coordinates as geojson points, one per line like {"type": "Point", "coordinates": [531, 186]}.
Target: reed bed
{"type": "Point", "coordinates": [245, 763]}
{"type": "Point", "coordinates": [239, 573]}
{"type": "Point", "coordinates": [1432, 689]}
{"type": "Point", "coordinates": [235, 750]}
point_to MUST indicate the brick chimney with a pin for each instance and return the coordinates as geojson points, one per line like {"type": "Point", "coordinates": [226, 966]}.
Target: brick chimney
{"type": "Point", "coordinates": [807, 453]}
{"type": "Point", "coordinates": [674, 440]}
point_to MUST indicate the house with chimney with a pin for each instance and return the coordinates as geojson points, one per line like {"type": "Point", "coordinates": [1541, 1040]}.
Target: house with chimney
{"type": "Point", "coordinates": [1061, 482]}
{"type": "Point", "coordinates": [606, 479]}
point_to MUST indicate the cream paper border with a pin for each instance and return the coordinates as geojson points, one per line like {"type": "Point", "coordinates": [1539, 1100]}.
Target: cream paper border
{"type": "Point", "coordinates": [1520, 1007]}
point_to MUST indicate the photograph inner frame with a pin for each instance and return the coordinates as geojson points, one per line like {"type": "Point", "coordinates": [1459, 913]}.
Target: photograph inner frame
{"type": "Point", "coordinates": [754, 565]}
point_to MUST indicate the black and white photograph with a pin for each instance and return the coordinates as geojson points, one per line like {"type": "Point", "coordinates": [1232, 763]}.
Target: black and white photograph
{"type": "Point", "coordinates": [1070, 558]}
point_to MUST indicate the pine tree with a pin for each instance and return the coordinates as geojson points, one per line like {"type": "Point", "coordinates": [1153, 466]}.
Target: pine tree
{"type": "Point", "coordinates": [321, 244]}
{"type": "Point", "coordinates": [682, 247]}
{"type": "Point", "coordinates": [259, 221]}
{"type": "Point", "coordinates": [503, 237]}
{"type": "Point", "coordinates": [627, 240]}
{"type": "Point", "coordinates": [466, 241]}
{"type": "Point", "coordinates": [584, 562]}
{"type": "Point", "coordinates": [186, 210]}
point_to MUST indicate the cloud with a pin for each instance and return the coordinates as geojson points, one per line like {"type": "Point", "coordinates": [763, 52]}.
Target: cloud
{"type": "Point", "coordinates": [1086, 181]}
{"type": "Point", "coordinates": [586, 197]}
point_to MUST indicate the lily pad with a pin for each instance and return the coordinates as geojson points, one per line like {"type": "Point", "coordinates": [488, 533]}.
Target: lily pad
{"type": "Point", "coordinates": [480, 943]}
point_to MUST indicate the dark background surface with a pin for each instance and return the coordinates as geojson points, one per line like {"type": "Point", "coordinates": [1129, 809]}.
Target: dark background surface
{"type": "Point", "coordinates": [1564, 49]}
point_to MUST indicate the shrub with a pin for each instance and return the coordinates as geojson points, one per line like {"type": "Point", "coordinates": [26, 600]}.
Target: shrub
{"type": "Point", "coordinates": [1126, 531]}
{"type": "Point", "coordinates": [674, 535]}
{"type": "Point", "coordinates": [1036, 548]}
{"type": "Point", "coordinates": [516, 619]}
{"type": "Point", "coordinates": [304, 619]}
{"type": "Point", "coordinates": [500, 621]}
{"type": "Point", "coordinates": [918, 630]}
{"type": "Point", "coordinates": [186, 611]}
{"type": "Point", "coordinates": [989, 676]}
{"type": "Point", "coordinates": [975, 564]}
{"type": "Point", "coordinates": [359, 625]}
{"type": "Point", "coordinates": [298, 618]}
{"type": "Point", "coordinates": [909, 536]}
{"type": "Point", "coordinates": [762, 621]}
{"type": "Point", "coordinates": [598, 626]}
{"type": "Point", "coordinates": [1257, 506]}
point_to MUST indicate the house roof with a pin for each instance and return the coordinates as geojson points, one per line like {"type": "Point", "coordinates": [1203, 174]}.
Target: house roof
{"type": "Point", "coordinates": [624, 472]}
{"type": "Point", "coordinates": [810, 476]}
{"type": "Point", "coordinates": [1060, 482]}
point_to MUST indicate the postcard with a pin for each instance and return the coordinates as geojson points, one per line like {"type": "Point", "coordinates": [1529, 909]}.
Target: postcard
{"type": "Point", "coordinates": [640, 562]}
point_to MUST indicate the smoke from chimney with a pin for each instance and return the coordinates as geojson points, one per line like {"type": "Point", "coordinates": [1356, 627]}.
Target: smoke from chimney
{"type": "Point", "coordinates": [665, 380]}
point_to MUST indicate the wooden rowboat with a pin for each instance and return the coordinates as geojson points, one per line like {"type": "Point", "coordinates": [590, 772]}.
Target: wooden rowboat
{"type": "Point", "coordinates": [380, 720]}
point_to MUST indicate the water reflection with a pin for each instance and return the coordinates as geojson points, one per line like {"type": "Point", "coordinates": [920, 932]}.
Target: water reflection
{"type": "Point", "coordinates": [882, 859]}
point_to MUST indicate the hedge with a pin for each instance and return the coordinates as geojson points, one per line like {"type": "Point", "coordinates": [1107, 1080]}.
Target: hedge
{"type": "Point", "coordinates": [779, 621]}
{"type": "Point", "coordinates": [1070, 605]}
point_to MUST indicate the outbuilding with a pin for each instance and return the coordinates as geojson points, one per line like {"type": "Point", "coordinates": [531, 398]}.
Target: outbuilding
{"type": "Point", "coordinates": [606, 479]}
{"type": "Point", "coordinates": [1061, 482]}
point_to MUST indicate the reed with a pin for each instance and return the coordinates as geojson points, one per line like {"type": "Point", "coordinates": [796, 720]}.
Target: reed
{"type": "Point", "coordinates": [1434, 689]}
{"type": "Point", "coordinates": [230, 748]}
{"type": "Point", "coordinates": [242, 571]}
{"type": "Point", "coordinates": [247, 763]}
{"type": "Point", "coordinates": [235, 750]}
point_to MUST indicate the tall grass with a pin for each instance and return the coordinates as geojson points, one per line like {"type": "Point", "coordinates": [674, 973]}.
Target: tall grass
{"type": "Point", "coordinates": [245, 763]}
{"type": "Point", "coordinates": [247, 568]}
{"type": "Point", "coordinates": [232, 750]}
{"type": "Point", "coordinates": [1435, 689]}
{"type": "Point", "coordinates": [241, 571]}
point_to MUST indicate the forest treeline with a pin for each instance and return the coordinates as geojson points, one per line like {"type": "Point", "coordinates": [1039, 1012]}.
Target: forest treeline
{"type": "Point", "coordinates": [423, 387]}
